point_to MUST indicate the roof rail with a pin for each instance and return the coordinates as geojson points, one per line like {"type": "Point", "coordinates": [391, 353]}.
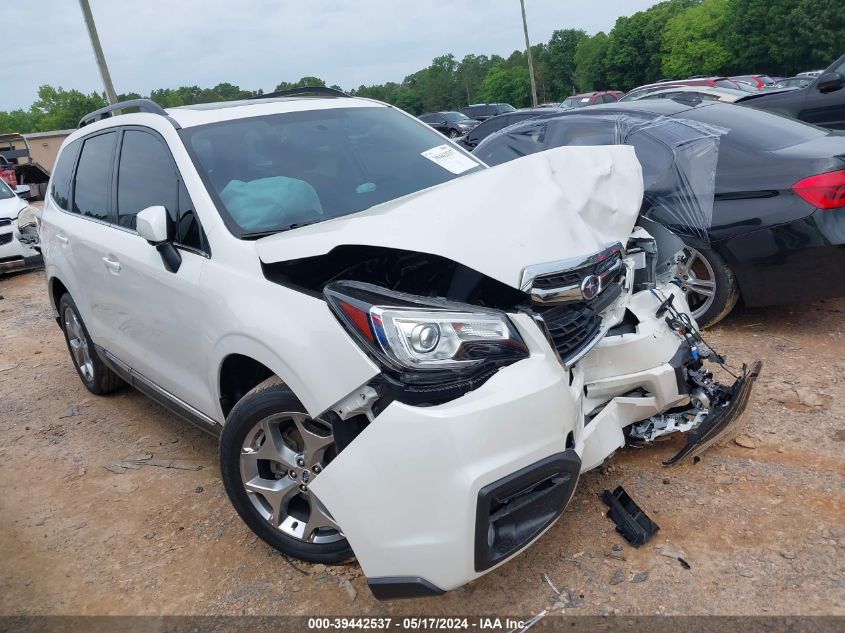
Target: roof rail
{"type": "Point", "coordinates": [322, 91]}
{"type": "Point", "coordinates": [144, 105]}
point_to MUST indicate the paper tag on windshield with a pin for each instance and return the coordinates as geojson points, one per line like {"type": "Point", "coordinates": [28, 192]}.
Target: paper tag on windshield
{"type": "Point", "coordinates": [449, 158]}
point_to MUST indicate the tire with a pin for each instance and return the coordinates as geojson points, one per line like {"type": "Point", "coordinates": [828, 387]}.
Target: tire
{"type": "Point", "coordinates": [257, 473]}
{"type": "Point", "coordinates": [92, 371]}
{"type": "Point", "coordinates": [453, 133]}
{"type": "Point", "coordinates": [705, 270]}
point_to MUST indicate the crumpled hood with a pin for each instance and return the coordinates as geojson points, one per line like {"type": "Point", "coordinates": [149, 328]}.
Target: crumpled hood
{"type": "Point", "coordinates": [549, 206]}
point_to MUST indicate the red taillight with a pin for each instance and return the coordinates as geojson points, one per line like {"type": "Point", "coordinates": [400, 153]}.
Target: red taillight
{"type": "Point", "coordinates": [825, 191]}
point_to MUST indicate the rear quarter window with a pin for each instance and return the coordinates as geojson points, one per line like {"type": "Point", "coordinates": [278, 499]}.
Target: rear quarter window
{"type": "Point", "coordinates": [60, 181]}
{"type": "Point", "coordinates": [755, 129]}
{"type": "Point", "coordinates": [92, 188]}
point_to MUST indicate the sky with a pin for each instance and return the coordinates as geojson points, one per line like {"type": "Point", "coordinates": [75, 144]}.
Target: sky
{"type": "Point", "coordinates": [255, 44]}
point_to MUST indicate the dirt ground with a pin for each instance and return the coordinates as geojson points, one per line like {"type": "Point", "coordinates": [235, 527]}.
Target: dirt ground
{"type": "Point", "coordinates": [762, 526]}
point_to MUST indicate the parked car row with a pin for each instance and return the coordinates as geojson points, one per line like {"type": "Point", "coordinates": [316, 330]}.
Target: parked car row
{"type": "Point", "coordinates": [777, 232]}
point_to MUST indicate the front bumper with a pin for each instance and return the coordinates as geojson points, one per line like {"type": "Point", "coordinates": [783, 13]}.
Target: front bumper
{"type": "Point", "coordinates": [410, 490]}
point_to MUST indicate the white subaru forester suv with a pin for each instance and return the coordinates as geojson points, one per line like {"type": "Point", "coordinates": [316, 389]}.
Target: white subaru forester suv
{"type": "Point", "coordinates": [409, 357]}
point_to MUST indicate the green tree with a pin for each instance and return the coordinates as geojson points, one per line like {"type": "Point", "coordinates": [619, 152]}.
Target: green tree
{"type": "Point", "coordinates": [508, 85]}
{"type": "Point", "coordinates": [302, 83]}
{"type": "Point", "coordinates": [60, 109]}
{"type": "Point", "coordinates": [591, 63]}
{"type": "Point", "coordinates": [562, 47]}
{"type": "Point", "coordinates": [692, 41]}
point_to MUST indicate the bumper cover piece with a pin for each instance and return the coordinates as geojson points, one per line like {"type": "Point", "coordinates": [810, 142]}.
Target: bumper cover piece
{"type": "Point", "coordinates": [631, 522]}
{"type": "Point", "coordinates": [719, 422]}
{"type": "Point", "coordinates": [515, 509]}
{"type": "Point", "coordinates": [394, 587]}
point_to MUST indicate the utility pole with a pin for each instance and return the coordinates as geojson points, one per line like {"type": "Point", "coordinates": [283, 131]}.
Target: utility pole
{"type": "Point", "coordinates": [528, 50]}
{"type": "Point", "coordinates": [98, 51]}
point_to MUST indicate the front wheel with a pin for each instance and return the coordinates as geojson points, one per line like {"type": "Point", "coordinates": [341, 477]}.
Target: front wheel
{"type": "Point", "coordinates": [709, 285]}
{"type": "Point", "coordinates": [453, 134]}
{"type": "Point", "coordinates": [271, 451]}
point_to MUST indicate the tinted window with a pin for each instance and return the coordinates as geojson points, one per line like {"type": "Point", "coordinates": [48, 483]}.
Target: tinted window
{"type": "Point", "coordinates": [427, 118]}
{"type": "Point", "coordinates": [60, 182]}
{"type": "Point", "coordinates": [504, 107]}
{"type": "Point", "coordinates": [146, 177]}
{"type": "Point", "coordinates": [92, 191]}
{"type": "Point", "coordinates": [755, 129]}
{"type": "Point", "coordinates": [608, 99]}
{"type": "Point", "coordinates": [275, 171]}
{"type": "Point", "coordinates": [455, 116]}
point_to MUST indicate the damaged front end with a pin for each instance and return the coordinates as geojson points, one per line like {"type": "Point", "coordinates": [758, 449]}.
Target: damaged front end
{"type": "Point", "coordinates": [499, 379]}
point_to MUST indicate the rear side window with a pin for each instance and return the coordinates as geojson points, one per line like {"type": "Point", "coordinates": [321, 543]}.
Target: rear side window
{"type": "Point", "coordinates": [756, 129]}
{"type": "Point", "coordinates": [60, 182]}
{"type": "Point", "coordinates": [92, 189]}
{"type": "Point", "coordinates": [146, 177]}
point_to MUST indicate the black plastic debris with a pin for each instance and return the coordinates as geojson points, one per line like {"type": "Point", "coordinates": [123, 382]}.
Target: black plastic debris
{"type": "Point", "coordinates": [631, 522]}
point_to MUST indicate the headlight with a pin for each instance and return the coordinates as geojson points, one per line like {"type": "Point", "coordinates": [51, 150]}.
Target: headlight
{"type": "Point", "coordinates": [426, 336]}
{"type": "Point", "coordinates": [28, 217]}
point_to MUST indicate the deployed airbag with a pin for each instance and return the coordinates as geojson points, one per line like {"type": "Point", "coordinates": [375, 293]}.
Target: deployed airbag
{"type": "Point", "coordinates": [270, 202]}
{"type": "Point", "coordinates": [566, 202]}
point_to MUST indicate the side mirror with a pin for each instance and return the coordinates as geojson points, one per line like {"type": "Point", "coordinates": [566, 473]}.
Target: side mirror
{"type": "Point", "coordinates": [23, 191]}
{"type": "Point", "coordinates": [153, 224]}
{"type": "Point", "coordinates": [828, 82]}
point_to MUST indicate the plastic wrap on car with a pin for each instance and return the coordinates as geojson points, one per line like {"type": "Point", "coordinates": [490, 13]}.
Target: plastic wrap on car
{"type": "Point", "coordinates": [678, 158]}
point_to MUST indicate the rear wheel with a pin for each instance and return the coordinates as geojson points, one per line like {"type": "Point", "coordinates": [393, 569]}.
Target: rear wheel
{"type": "Point", "coordinates": [271, 451]}
{"type": "Point", "coordinates": [93, 372]}
{"type": "Point", "coordinates": [709, 285]}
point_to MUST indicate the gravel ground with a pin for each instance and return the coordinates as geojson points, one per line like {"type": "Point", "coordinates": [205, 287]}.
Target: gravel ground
{"type": "Point", "coordinates": [760, 519]}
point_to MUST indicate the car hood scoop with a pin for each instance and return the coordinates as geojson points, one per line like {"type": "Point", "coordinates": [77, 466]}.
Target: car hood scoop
{"type": "Point", "coordinates": [553, 205]}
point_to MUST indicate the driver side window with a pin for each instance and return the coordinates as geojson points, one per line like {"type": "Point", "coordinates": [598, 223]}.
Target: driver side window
{"type": "Point", "coordinates": [148, 176]}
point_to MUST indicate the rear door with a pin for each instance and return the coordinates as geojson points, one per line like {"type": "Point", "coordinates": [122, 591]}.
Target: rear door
{"type": "Point", "coordinates": [155, 316]}
{"type": "Point", "coordinates": [80, 235]}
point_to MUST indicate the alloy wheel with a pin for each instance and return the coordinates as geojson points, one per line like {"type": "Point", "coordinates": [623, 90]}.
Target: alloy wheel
{"type": "Point", "coordinates": [80, 349]}
{"type": "Point", "coordinates": [280, 458]}
{"type": "Point", "coordinates": [698, 281]}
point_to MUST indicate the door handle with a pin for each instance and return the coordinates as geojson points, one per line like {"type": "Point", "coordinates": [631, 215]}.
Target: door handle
{"type": "Point", "coordinates": [112, 264]}
{"type": "Point", "coordinates": [61, 238]}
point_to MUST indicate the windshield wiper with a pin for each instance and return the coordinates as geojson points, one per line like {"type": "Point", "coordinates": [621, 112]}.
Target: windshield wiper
{"type": "Point", "coordinates": [259, 234]}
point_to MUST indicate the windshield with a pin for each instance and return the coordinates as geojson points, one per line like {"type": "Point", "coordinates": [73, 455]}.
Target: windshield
{"type": "Point", "coordinates": [575, 102]}
{"type": "Point", "coordinates": [455, 116]}
{"type": "Point", "coordinates": [280, 171]}
{"type": "Point", "coordinates": [5, 192]}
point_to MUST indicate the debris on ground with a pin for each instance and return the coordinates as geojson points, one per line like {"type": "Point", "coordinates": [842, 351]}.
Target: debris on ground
{"type": "Point", "coordinates": [631, 522]}
{"type": "Point", "coordinates": [746, 441]}
{"type": "Point", "coordinates": [348, 587]}
{"type": "Point", "coordinates": [807, 397]}
{"type": "Point", "coordinates": [545, 577]}
{"type": "Point", "coordinates": [71, 411]}
{"type": "Point", "coordinates": [135, 462]}
{"type": "Point", "coordinates": [639, 576]}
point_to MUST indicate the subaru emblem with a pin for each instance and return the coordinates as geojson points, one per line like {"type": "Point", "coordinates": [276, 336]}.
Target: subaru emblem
{"type": "Point", "coordinates": [590, 287]}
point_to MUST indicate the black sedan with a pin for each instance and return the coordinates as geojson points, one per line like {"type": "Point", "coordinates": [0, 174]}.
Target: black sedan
{"type": "Point", "coordinates": [501, 121]}
{"type": "Point", "coordinates": [822, 102]}
{"type": "Point", "coordinates": [451, 124]}
{"type": "Point", "coordinates": [777, 231]}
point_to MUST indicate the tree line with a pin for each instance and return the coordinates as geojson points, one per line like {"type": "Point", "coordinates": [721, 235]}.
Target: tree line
{"type": "Point", "coordinates": [672, 39]}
